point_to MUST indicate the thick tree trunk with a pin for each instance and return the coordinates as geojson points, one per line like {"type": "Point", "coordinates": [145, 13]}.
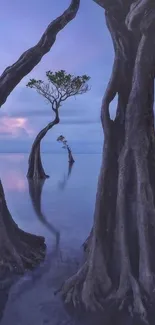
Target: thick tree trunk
{"type": "Point", "coordinates": [35, 169]}
{"type": "Point", "coordinates": [19, 250]}
{"type": "Point", "coordinates": [120, 266]}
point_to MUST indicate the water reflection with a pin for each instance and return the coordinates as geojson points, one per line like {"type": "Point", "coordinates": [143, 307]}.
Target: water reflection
{"type": "Point", "coordinates": [14, 181]}
{"type": "Point", "coordinates": [35, 302]}
{"type": "Point", "coordinates": [35, 191]}
{"type": "Point", "coordinates": [31, 279]}
{"type": "Point", "coordinates": [62, 184]}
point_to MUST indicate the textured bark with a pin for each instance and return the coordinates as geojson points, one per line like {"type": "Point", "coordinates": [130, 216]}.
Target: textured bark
{"type": "Point", "coordinates": [19, 250]}
{"type": "Point", "coordinates": [35, 191]}
{"type": "Point", "coordinates": [119, 266]}
{"type": "Point", "coordinates": [13, 74]}
{"type": "Point", "coordinates": [35, 169]}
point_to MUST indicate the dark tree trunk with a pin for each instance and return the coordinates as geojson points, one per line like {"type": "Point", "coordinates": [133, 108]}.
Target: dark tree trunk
{"type": "Point", "coordinates": [19, 250]}
{"type": "Point", "coordinates": [35, 169]}
{"type": "Point", "coordinates": [120, 266]}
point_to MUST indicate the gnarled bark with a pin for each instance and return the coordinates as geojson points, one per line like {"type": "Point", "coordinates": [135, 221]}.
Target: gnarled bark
{"type": "Point", "coordinates": [119, 266]}
{"type": "Point", "coordinates": [13, 74]}
{"type": "Point", "coordinates": [19, 250]}
{"type": "Point", "coordinates": [35, 169]}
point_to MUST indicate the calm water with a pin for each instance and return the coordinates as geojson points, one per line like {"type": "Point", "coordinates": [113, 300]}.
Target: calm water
{"type": "Point", "coordinates": [65, 219]}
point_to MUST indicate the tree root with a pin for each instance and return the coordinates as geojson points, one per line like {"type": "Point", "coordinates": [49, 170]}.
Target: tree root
{"type": "Point", "coordinates": [85, 288]}
{"type": "Point", "coordinates": [18, 255]}
{"type": "Point", "coordinates": [80, 289]}
{"type": "Point", "coordinates": [71, 288]}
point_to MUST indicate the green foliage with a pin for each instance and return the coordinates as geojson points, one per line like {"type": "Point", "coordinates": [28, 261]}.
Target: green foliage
{"type": "Point", "coordinates": [66, 81]}
{"type": "Point", "coordinates": [32, 83]}
{"type": "Point", "coordinates": [60, 86]}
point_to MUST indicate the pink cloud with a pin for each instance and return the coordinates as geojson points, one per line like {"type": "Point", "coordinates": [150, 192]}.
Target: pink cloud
{"type": "Point", "coordinates": [15, 127]}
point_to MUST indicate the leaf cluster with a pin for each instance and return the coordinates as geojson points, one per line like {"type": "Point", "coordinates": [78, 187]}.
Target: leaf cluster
{"type": "Point", "coordinates": [60, 86]}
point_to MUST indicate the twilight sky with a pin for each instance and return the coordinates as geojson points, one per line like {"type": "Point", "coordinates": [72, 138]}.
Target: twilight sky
{"type": "Point", "coordinates": [83, 47]}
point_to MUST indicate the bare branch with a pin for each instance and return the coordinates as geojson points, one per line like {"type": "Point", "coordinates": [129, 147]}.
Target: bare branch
{"type": "Point", "coordinates": [30, 58]}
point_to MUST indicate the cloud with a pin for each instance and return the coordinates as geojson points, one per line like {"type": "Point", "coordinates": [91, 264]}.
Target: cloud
{"type": "Point", "coordinates": [14, 127]}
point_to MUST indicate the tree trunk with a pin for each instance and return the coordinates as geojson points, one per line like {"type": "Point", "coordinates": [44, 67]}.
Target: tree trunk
{"type": "Point", "coordinates": [19, 250]}
{"type": "Point", "coordinates": [120, 266]}
{"type": "Point", "coordinates": [35, 169]}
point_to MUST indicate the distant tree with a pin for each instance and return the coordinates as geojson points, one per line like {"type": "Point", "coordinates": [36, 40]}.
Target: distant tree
{"type": "Point", "coordinates": [58, 88]}
{"type": "Point", "coordinates": [62, 139]}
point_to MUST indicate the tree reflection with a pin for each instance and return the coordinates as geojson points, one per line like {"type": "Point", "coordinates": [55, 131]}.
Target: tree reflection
{"type": "Point", "coordinates": [62, 184]}
{"type": "Point", "coordinates": [35, 191]}
{"type": "Point", "coordinates": [26, 284]}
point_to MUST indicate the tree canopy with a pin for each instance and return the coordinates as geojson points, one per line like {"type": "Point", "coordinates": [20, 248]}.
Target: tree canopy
{"type": "Point", "coordinates": [59, 86]}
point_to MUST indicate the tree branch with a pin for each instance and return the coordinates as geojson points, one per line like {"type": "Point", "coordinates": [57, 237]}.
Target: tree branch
{"type": "Point", "coordinates": [30, 58]}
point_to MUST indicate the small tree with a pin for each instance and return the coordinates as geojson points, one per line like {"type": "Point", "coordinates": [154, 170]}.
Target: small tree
{"type": "Point", "coordinates": [57, 89]}
{"type": "Point", "coordinates": [62, 139]}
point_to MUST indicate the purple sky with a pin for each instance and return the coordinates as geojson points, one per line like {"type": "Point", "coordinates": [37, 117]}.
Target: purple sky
{"type": "Point", "coordinates": [83, 47]}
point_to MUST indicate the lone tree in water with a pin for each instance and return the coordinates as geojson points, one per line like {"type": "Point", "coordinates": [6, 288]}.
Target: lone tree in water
{"type": "Point", "coordinates": [20, 250]}
{"type": "Point", "coordinates": [62, 139]}
{"type": "Point", "coordinates": [58, 88]}
{"type": "Point", "coordinates": [120, 264]}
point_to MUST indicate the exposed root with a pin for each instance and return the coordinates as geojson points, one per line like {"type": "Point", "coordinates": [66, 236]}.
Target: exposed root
{"type": "Point", "coordinates": [92, 297]}
{"type": "Point", "coordinates": [17, 257]}
{"type": "Point", "coordinates": [71, 288]}
{"type": "Point", "coordinates": [131, 297]}
{"type": "Point", "coordinates": [88, 286]}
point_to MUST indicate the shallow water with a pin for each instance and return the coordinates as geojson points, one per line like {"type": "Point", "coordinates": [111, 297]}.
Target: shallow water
{"type": "Point", "coordinates": [64, 219]}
